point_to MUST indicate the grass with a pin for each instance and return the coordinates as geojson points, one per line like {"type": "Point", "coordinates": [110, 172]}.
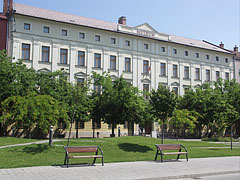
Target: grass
{"type": "Point", "coordinates": [4, 141]}
{"type": "Point", "coordinates": [115, 150]}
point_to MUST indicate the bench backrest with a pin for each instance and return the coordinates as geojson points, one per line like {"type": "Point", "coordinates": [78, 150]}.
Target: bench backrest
{"type": "Point", "coordinates": [168, 146]}
{"type": "Point", "coordinates": [81, 149]}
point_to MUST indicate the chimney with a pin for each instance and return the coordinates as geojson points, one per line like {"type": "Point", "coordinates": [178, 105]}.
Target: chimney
{"type": "Point", "coordinates": [235, 49]}
{"type": "Point", "coordinates": [5, 6]}
{"type": "Point", "coordinates": [10, 7]}
{"type": "Point", "coordinates": [122, 20]}
{"type": "Point", "coordinates": [221, 45]}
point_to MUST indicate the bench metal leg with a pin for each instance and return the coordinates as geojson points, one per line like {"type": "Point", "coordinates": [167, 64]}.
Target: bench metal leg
{"type": "Point", "coordinates": [161, 158]}
{"type": "Point", "coordinates": [156, 155]}
{"type": "Point", "coordinates": [187, 156]}
{"type": "Point", "coordinates": [102, 161]}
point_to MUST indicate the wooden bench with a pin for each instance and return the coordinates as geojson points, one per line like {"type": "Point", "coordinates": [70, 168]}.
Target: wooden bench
{"type": "Point", "coordinates": [163, 147]}
{"type": "Point", "coordinates": [82, 149]}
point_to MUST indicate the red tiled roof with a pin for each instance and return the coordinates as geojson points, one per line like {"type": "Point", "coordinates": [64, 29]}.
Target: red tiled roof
{"type": "Point", "coordinates": [94, 23]}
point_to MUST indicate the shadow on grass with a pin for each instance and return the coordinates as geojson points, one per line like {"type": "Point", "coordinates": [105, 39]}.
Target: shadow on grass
{"type": "Point", "coordinates": [134, 147]}
{"type": "Point", "coordinates": [39, 148]}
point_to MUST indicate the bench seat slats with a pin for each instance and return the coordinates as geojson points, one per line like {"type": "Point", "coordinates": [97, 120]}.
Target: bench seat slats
{"type": "Point", "coordinates": [81, 149]}
{"type": "Point", "coordinates": [174, 153]}
{"type": "Point", "coordinates": [90, 156]}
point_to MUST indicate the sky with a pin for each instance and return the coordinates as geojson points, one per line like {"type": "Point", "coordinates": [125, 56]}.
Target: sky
{"type": "Point", "coordinates": [215, 21]}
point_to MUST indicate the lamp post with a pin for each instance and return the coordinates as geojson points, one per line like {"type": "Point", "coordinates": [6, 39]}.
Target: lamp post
{"type": "Point", "coordinates": [50, 135]}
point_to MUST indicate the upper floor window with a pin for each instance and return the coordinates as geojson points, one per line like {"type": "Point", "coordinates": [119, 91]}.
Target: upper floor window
{"type": "Point", "coordinates": [81, 58]}
{"type": "Point", "coordinates": [97, 38]}
{"type": "Point", "coordinates": [226, 60]}
{"type": "Point", "coordinates": [186, 72]}
{"type": "Point", "coordinates": [79, 125]}
{"type": "Point", "coordinates": [145, 66]}
{"type": "Point", "coordinates": [113, 40]}
{"type": "Point", "coordinates": [27, 26]}
{"type": "Point", "coordinates": [186, 53]}
{"type": "Point", "coordinates": [174, 51]}
{"type": "Point", "coordinates": [63, 56]}
{"type": "Point", "coordinates": [163, 49]}
{"type": "Point", "coordinates": [127, 43]}
{"type": "Point", "coordinates": [163, 69]}
{"type": "Point", "coordinates": [197, 73]}
{"type": "Point", "coordinates": [217, 75]}
{"type": "Point", "coordinates": [113, 62]}
{"type": "Point", "coordinates": [64, 32]}
{"type": "Point", "coordinates": [45, 53]}
{"type": "Point", "coordinates": [207, 75]}
{"type": "Point", "coordinates": [46, 29]}
{"type": "Point", "coordinates": [145, 46]}
{"type": "Point", "coordinates": [217, 58]}
{"type": "Point", "coordinates": [97, 60]}
{"type": "Point", "coordinates": [175, 70]}
{"type": "Point", "coordinates": [26, 51]}
{"type": "Point", "coordinates": [197, 55]}
{"type": "Point", "coordinates": [81, 35]}
{"type": "Point", "coordinates": [207, 56]}
{"type": "Point", "coordinates": [127, 64]}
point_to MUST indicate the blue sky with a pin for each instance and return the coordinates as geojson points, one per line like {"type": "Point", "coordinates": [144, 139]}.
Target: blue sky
{"type": "Point", "coordinates": [211, 20]}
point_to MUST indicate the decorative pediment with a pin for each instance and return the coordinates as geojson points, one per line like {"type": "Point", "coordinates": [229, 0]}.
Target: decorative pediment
{"type": "Point", "coordinates": [146, 27]}
{"type": "Point", "coordinates": [146, 80]}
{"type": "Point", "coordinates": [44, 70]}
{"type": "Point", "coordinates": [113, 77]}
{"type": "Point", "coordinates": [175, 84]}
{"type": "Point", "coordinates": [80, 74]}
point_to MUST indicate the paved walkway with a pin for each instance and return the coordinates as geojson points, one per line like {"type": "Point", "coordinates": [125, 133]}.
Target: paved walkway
{"type": "Point", "coordinates": [200, 168]}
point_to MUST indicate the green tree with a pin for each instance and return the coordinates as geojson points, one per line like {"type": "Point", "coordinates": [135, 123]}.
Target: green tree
{"type": "Point", "coordinates": [184, 119]}
{"type": "Point", "coordinates": [32, 111]}
{"type": "Point", "coordinates": [163, 103]}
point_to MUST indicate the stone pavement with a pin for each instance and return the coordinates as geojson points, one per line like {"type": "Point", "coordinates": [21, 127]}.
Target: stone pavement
{"type": "Point", "coordinates": [199, 168]}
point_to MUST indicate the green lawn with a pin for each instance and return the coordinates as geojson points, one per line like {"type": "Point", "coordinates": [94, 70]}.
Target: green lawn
{"type": "Point", "coordinates": [12, 140]}
{"type": "Point", "coordinates": [115, 150]}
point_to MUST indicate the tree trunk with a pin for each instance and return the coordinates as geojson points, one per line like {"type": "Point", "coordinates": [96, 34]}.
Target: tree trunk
{"type": "Point", "coordinates": [77, 129]}
{"type": "Point", "coordinates": [162, 131]}
{"type": "Point", "coordinates": [113, 124]}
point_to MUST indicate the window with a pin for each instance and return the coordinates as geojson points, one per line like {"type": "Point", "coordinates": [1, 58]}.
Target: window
{"type": "Point", "coordinates": [64, 32]}
{"type": "Point", "coordinates": [81, 35]}
{"type": "Point", "coordinates": [186, 89]}
{"type": "Point", "coordinates": [62, 125]}
{"type": "Point", "coordinates": [175, 70]}
{"type": "Point", "coordinates": [97, 38]}
{"type": "Point", "coordinates": [197, 73]}
{"type": "Point", "coordinates": [227, 75]}
{"type": "Point", "coordinates": [174, 51]}
{"type": "Point", "coordinates": [175, 90]}
{"type": "Point", "coordinates": [97, 60]}
{"type": "Point", "coordinates": [162, 49]}
{"type": "Point", "coordinates": [217, 75]}
{"type": "Point", "coordinates": [46, 29]}
{"type": "Point", "coordinates": [207, 75]}
{"type": "Point", "coordinates": [145, 46]}
{"type": "Point", "coordinates": [63, 56]}
{"type": "Point", "coordinates": [207, 56]}
{"type": "Point", "coordinates": [145, 66]}
{"type": "Point", "coordinates": [27, 26]}
{"type": "Point", "coordinates": [80, 81]}
{"type": "Point", "coordinates": [127, 64]}
{"type": "Point", "coordinates": [96, 124]}
{"type": "Point", "coordinates": [217, 58]}
{"type": "Point", "coordinates": [186, 72]}
{"type": "Point", "coordinates": [197, 55]}
{"type": "Point", "coordinates": [113, 40]}
{"type": "Point", "coordinates": [186, 53]}
{"type": "Point", "coordinates": [26, 51]}
{"type": "Point", "coordinates": [81, 58]}
{"type": "Point", "coordinates": [113, 62]}
{"type": "Point", "coordinates": [45, 53]}
{"type": "Point", "coordinates": [163, 69]}
{"type": "Point", "coordinates": [127, 43]}
{"type": "Point", "coordinates": [79, 125]}
{"type": "Point", "coordinates": [110, 126]}
{"type": "Point", "coordinates": [145, 90]}
{"type": "Point", "coordinates": [226, 60]}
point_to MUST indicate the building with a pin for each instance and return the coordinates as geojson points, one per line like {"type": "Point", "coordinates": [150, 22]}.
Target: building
{"type": "Point", "coordinates": [48, 41]}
